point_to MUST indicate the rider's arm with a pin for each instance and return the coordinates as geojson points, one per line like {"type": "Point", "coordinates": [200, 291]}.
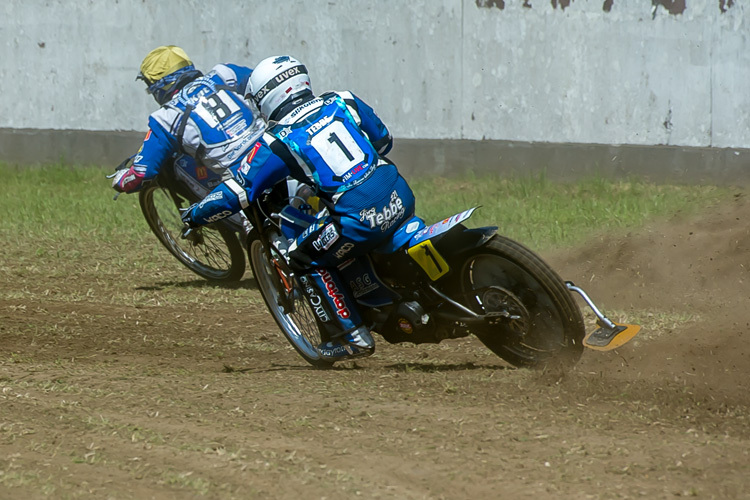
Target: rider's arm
{"type": "Point", "coordinates": [158, 147]}
{"type": "Point", "coordinates": [234, 75]}
{"type": "Point", "coordinates": [370, 123]}
{"type": "Point", "coordinates": [260, 170]}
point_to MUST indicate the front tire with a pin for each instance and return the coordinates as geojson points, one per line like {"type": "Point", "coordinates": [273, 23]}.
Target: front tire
{"type": "Point", "coordinates": [287, 303]}
{"type": "Point", "coordinates": [537, 323]}
{"type": "Point", "coordinates": [214, 252]}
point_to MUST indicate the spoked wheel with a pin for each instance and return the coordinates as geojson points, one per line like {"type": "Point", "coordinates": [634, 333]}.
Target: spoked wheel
{"type": "Point", "coordinates": [284, 298]}
{"type": "Point", "coordinates": [531, 317]}
{"type": "Point", "coordinates": [212, 252]}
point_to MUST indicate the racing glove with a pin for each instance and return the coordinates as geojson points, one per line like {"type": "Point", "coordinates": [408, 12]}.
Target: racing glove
{"type": "Point", "coordinates": [122, 180]}
{"type": "Point", "coordinates": [127, 180]}
{"type": "Point", "coordinates": [187, 221]}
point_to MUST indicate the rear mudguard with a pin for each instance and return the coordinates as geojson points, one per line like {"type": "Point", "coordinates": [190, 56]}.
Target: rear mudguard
{"type": "Point", "coordinates": [463, 239]}
{"type": "Point", "coordinates": [417, 250]}
{"type": "Point", "coordinates": [434, 248]}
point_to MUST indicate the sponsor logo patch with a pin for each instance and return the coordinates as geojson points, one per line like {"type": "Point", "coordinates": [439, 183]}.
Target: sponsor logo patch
{"type": "Point", "coordinates": [218, 195]}
{"type": "Point", "coordinates": [219, 216]}
{"type": "Point", "coordinates": [315, 300]}
{"type": "Point", "coordinates": [405, 326]}
{"type": "Point", "coordinates": [387, 216]}
{"type": "Point", "coordinates": [328, 237]}
{"type": "Point", "coordinates": [127, 180]}
{"type": "Point", "coordinates": [362, 285]}
{"type": "Point", "coordinates": [278, 80]}
{"type": "Point", "coordinates": [345, 248]}
{"type": "Point", "coordinates": [319, 124]}
{"type": "Point", "coordinates": [333, 292]}
{"type": "Point", "coordinates": [351, 173]}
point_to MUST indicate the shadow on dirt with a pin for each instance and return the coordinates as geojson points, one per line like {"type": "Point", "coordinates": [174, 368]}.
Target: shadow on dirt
{"type": "Point", "coordinates": [353, 366]}
{"type": "Point", "coordinates": [435, 368]}
{"type": "Point", "coordinates": [273, 368]}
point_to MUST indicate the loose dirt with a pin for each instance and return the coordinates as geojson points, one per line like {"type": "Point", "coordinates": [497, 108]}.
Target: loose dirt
{"type": "Point", "coordinates": [171, 400]}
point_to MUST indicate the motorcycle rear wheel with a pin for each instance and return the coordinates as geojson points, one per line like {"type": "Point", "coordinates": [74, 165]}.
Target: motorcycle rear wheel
{"type": "Point", "coordinates": [538, 323]}
{"type": "Point", "coordinates": [289, 309]}
{"type": "Point", "coordinates": [214, 252]}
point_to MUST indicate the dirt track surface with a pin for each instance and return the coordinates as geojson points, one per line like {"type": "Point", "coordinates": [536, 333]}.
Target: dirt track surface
{"type": "Point", "coordinates": [175, 401]}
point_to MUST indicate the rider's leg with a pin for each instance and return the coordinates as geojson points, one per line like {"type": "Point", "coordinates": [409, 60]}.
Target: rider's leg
{"type": "Point", "coordinates": [361, 219]}
{"type": "Point", "coordinates": [351, 338]}
{"type": "Point", "coordinates": [316, 253]}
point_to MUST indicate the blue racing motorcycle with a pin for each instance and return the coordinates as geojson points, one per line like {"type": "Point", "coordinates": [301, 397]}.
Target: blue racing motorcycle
{"type": "Point", "coordinates": [431, 283]}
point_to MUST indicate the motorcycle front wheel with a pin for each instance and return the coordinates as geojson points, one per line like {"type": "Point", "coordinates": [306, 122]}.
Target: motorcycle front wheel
{"type": "Point", "coordinates": [287, 304]}
{"type": "Point", "coordinates": [212, 252]}
{"type": "Point", "coordinates": [531, 319]}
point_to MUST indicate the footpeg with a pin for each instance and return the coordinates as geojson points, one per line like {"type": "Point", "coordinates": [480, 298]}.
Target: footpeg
{"type": "Point", "coordinates": [609, 335]}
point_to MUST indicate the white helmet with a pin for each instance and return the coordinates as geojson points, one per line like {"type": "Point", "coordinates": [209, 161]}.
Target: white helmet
{"type": "Point", "coordinates": [276, 80]}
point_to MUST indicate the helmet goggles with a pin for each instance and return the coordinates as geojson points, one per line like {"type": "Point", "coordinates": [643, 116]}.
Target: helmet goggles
{"type": "Point", "coordinates": [161, 89]}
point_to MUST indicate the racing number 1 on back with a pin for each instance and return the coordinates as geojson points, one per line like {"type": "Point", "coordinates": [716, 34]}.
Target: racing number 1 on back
{"type": "Point", "coordinates": [334, 139]}
{"type": "Point", "coordinates": [337, 148]}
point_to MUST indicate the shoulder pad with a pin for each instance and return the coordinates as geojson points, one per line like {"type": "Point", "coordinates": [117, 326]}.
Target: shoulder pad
{"type": "Point", "coordinates": [226, 73]}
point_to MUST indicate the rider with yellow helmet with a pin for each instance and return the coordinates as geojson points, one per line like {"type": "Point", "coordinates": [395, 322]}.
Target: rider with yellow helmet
{"type": "Point", "coordinates": [202, 116]}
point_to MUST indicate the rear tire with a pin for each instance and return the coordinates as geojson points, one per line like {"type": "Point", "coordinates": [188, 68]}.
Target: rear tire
{"type": "Point", "coordinates": [291, 310]}
{"type": "Point", "coordinates": [214, 253]}
{"type": "Point", "coordinates": [539, 325]}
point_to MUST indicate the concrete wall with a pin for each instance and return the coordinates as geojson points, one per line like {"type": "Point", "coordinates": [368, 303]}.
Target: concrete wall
{"type": "Point", "coordinates": [634, 75]}
{"type": "Point", "coordinates": [561, 72]}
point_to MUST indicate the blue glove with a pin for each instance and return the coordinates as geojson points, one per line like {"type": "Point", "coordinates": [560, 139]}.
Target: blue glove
{"type": "Point", "coordinates": [187, 220]}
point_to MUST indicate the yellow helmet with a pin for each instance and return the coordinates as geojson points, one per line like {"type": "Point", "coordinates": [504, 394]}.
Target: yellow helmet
{"type": "Point", "coordinates": [161, 62]}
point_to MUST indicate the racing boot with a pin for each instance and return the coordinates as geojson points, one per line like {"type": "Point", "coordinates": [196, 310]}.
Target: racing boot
{"type": "Point", "coordinates": [355, 344]}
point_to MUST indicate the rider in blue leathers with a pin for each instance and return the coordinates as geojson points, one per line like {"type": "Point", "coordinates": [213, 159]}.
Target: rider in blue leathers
{"type": "Point", "coordinates": [333, 142]}
{"type": "Point", "coordinates": [202, 116]}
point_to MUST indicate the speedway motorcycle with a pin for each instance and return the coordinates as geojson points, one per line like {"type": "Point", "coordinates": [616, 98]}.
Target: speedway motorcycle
{"type": "Point", "coordinates": [214, 252]}
{"type": "Point", "coordinates": [430, 283]}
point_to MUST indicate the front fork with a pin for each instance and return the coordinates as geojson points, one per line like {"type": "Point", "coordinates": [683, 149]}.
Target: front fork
{"type": "Point", "coordinates": [609, 335]}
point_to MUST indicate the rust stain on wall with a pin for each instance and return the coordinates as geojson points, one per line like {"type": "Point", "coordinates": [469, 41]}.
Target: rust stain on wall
{"type": "Point", "coordinates": [673, 6]}
{"type": "Point", "coordinates": [488, 4]}
{"type": "Point", "coordinates": [561, 3]}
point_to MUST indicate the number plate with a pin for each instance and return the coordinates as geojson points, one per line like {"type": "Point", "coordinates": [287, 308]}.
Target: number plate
{"type": "Point", "coordinates": [429, 259]}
